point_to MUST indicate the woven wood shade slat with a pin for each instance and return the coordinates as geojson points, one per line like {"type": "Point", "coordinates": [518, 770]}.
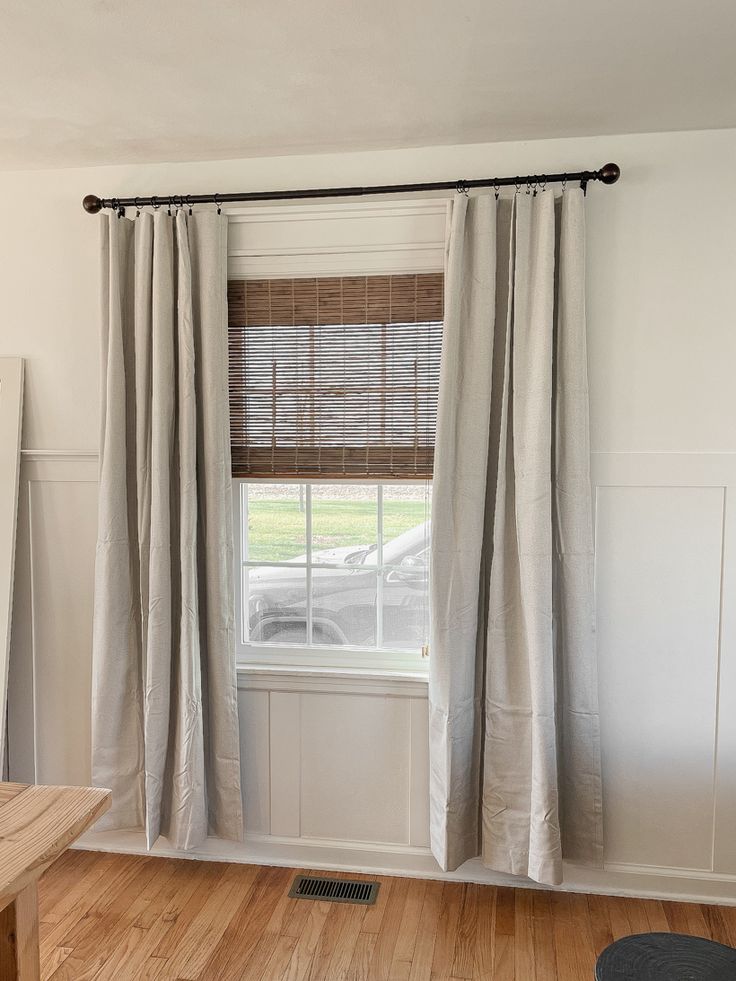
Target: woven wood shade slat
{"type": "Point", "coordinates": [408, 299]}
{"type": "Point", "coordinates": [334, 377]}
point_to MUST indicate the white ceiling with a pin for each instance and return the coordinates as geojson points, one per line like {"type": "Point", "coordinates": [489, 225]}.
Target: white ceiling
{"type": "Point", "coordinates": [115, 81]}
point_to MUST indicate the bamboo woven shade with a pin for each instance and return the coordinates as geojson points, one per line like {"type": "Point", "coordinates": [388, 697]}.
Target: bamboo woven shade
{"type": "Point", "coordinates": [334, 377]}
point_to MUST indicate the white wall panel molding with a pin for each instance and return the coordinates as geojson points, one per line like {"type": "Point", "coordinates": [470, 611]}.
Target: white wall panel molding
{"type": "Point", "coordinates": [51, 643]}
{"type": "Point", "coordinates": [665, 585]}
{"type": "Point", "coordinates": [666, 579]}
{"type": "Point", "coordinates": [58, 456]}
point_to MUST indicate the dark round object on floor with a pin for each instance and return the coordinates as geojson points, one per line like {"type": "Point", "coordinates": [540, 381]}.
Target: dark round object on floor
{"type": "Point", "coordinates": [666, 957]}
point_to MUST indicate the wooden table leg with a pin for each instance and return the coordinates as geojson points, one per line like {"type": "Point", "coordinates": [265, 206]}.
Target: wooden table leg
{"type": "Point", "coordinates": [19, 956]}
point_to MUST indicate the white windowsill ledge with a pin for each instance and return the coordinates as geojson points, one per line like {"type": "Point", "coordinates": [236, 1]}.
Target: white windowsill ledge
{"type": "Point", "coordinates": [269, 677]}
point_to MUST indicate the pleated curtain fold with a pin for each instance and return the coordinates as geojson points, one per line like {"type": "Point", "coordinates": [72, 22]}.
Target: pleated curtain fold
{"type": "Point", "coordinates": [164, 694]}
{"type": "Point", "coordinates": [515, 772]}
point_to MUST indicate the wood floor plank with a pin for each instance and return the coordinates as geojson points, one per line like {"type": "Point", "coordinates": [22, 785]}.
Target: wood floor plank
{"type": "Point", "coordinates": [373, 919]}
{"type": "Point", "coordinates": [566, 942]}
{"type": "Point", "coordinates": [407, 938]}
{"type": "Point", "coordinates": [139, 918]}
{"type": "Point", "coordinates": [342, 955]}
{"type": "Point", "coordinates": [330, 936]}
{"type": "Point", "coordinates": [716, 924]}
{"type": "Point", "coordinates": [466, 936]}
{"type": "Point", "coordinates": [391, 924]}
{"type": "Point", "coordinates": [451, 903]}
{"type": "Point", "coordinates": [600, 923]}
{"type": "Point", "coordinates": [421, 964]}
{"type": "Point", "coordinates": [524, 959]}
{"type": "Point", "coordinates": [618, 916]}
{"type": "Point", "coordinates": [637, 915]}
{"type": "Point", "coordinates": [545, 956]}
{"type": "Point", "coordinates": [485, 947]}
{"type": "Point", "coordinates": [503, 958]}
{"type": "Point", "coordinates": [359, 969]}
{"type": "Point", "coordinates": [306, 946]}
{"type": "Point", "coordinates": [656, 917]}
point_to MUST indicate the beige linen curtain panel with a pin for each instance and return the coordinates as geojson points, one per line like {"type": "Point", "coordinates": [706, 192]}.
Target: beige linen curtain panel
{"type": "Point", "coordinates": [164, 710]}
{"type": "Point", "coordinates": [514, 728]}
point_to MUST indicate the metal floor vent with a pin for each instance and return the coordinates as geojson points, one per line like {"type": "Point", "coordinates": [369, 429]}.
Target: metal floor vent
{"type": "Point", "coordinates": [334, 890]}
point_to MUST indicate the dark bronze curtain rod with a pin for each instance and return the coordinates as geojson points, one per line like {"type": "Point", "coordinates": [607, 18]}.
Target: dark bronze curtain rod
{"type": "Point", "coordinates": [608, 174]}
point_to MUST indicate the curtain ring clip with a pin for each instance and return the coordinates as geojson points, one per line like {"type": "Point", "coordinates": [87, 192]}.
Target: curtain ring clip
{"type": "Point", "coordinates": [216, 199]}
{"type": "Point", "coordinates": [155, 202]}
{"type": "Point", "coordinates": [189, 202]}
{"type": "Point", "coordinates": [497, 189]}
{"type": "Point", "coordinates": [137, 207]}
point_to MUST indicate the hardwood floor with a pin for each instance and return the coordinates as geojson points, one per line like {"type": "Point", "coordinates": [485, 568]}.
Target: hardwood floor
{"type": "Point", "coordinates": [106, 917]}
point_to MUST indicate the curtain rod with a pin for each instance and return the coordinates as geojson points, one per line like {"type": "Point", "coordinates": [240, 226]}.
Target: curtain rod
{"type": "Point", "coordinates": [608, 174]}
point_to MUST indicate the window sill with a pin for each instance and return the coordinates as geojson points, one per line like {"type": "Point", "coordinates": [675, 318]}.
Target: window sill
{"type": "Point", "coordinates": [253, 676]}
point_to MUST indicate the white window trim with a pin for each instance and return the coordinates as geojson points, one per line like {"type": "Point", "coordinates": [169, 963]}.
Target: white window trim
{"type": "Point", "coordinates": [338, 246]}
{"type": "Point", "coordinates": [307, 657]}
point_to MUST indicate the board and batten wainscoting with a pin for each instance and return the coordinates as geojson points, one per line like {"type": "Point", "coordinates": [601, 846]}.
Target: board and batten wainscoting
{"type": "Point", "coordinates": [335, 766]}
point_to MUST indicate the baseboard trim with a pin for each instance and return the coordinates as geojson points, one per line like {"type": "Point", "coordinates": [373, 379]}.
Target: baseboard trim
{"type": "Point", "coordinates": [373, 858]}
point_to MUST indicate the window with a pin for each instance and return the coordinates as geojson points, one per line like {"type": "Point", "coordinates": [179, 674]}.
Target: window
{"type": "Point", "coordinates": [334, 567]}
{"type": "Point", "coordinates": [333, 394]}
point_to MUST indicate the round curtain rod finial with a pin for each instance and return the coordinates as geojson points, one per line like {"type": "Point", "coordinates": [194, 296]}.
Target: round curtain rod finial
{"type": "Point", "coordinates": [92, 204]}
{"type": "Point", "coordinates": [609, 173]}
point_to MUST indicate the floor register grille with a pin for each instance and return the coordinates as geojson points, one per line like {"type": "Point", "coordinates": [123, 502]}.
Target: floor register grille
{"type": "Point", "coordinates": [334, 890]}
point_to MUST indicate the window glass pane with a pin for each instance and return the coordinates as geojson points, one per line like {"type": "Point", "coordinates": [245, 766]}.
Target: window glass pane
{"type": "Point", "coordinates": [405, 506]}
{"type": "Point", "coordinates": [406, 521]}
{"type": "Point", "coordinates": [344, 607]}
{"type": "Point", "coordinates": [275, 598]}
{"type": "Point", "coordinates": [344, 524]}
{"type": "Point", "coordinates": [277, 528]}
{"type": "Point", "coordinates": [404, 604]}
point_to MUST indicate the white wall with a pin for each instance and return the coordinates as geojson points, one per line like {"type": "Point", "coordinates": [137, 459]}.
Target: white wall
{"type": "Point", "coordinates": [661, 302]}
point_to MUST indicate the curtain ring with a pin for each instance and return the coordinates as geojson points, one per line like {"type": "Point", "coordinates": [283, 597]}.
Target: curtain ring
{"type": "Point", "coordinates": [497, 187]}
{"type": "Point", "coordinates": [528, 186]}
{"type": "Point", "coordinates": [517, 182]}
{"type": "Point", "coordinates": [155, 202]}
{"type": "Point", "coordinates": [216, 198]}
{"type": "Point", "coordinates": [564, 182]}
{"type": "Point", "coordinates": [462, 187]}
{"type": "Point", "coordinates": [543, 182]}
{"type": "Point", "coordinates": [169, 208]}
{"type": "Point", "coordinates": [137, 207]}
{"type": "Point", "coordinates": [189, 202]}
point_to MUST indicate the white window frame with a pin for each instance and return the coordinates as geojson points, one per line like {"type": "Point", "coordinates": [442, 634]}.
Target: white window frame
{"type": "Point", "coordinates": [371, 238]}
{"type": "Point", "coordinates": [308, 656]}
